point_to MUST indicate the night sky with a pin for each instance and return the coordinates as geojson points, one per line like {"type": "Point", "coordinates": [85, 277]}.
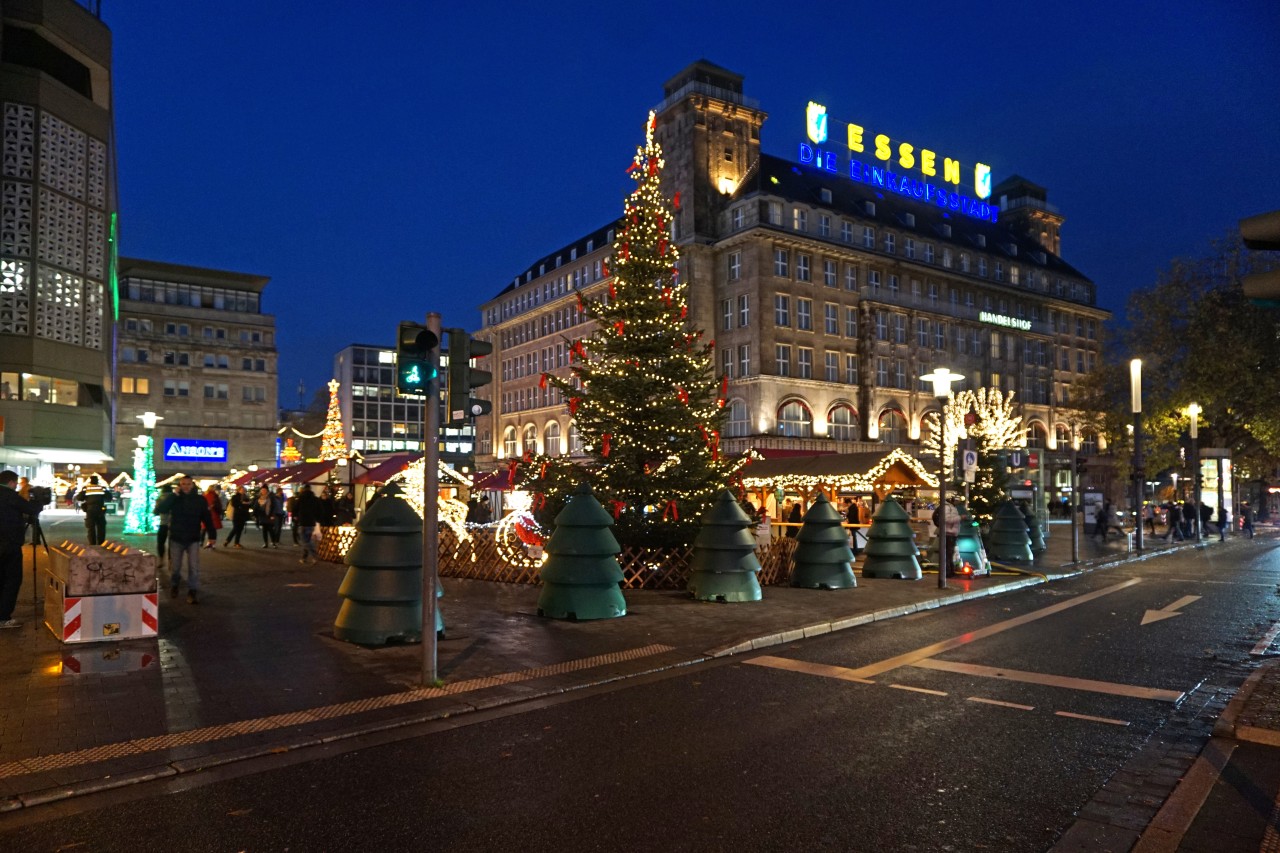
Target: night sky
{"type": "Point", "coordinates": [379, 160]}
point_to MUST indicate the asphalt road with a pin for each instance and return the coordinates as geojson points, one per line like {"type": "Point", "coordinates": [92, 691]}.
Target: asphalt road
{"type": "Point", "coordinates": [984, 726]}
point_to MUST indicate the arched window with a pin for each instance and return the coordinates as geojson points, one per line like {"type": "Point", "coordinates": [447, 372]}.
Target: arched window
{"type": "Point", "coordinates": [1036, 436]}
{"type": "Point", "coordinates": [551, 439]}
{"type": "Point", "coordinates": [575, 440]}
{"type": "Point", "coordinates": [925, 421]}
{"type": "Point", "coordinates": [737, 423]}
{"type": "Point", "coordinates": [893, 427]}
{"type": "Point", "coordinates": [510, 447]}
{"type": "Point", "coordinates": [842, 423]}
{"type": "Point", "coordinates": [530, 444]}
{"type": "Point", "coordinates": [795, 420]}
{"type": "Point", "coordinates": [1063, 435]}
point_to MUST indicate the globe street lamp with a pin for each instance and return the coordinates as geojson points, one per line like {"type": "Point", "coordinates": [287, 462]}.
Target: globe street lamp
{"type": "Point", "coordinates": [1139, 478]}
{"type": "Point", "coordinates": [1193, 411]}
{"type": "Point", "coordinates": [941, 378]}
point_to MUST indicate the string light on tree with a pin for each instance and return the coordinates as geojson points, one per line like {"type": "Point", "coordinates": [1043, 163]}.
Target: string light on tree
{"type": "Point", "coordinates": [642, 389]}
{"type": "Point", "coordinates": [142, 496]}
{"type": "Point", "coordinates": [333, 444]}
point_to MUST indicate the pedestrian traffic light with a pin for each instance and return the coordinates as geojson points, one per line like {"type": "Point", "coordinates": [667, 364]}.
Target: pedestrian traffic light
{"type": "Point", "coordinates": [463, 378]}
{"type": "Point", "coordinates": [415, 362]}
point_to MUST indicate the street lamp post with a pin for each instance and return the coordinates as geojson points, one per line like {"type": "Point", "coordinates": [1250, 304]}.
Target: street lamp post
{"type": "Point", "coordinates": [942, 378]}
{"type": "Point", "coordinates": [1194, 411]}
{"type": "Point", "coordinates": [1075, 495]}
{"type": "Point", "coordinates": [1139, 478]}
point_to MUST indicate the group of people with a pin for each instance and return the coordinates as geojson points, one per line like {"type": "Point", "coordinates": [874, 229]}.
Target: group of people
{"type": "Point", "coordinates": [1180, 520]}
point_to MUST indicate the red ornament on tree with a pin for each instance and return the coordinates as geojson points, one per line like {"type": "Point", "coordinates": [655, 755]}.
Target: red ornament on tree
{"type": "Point", "coordinates": [604, 444]}
{"type": "Point", "coordinates": [542, 381]}
{"type": "Point", "coordinates": [675, 201]}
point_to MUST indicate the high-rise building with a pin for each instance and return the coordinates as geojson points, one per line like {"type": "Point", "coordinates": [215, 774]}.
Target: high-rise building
{"type": "Point", "coordinates": [830, 284]}
{"type": "Point", "coordinates": [196, 348]}
{"type": "Point", "coordinates": [57, 227]}
{"type": "Point", "coordinates": [377, 420]}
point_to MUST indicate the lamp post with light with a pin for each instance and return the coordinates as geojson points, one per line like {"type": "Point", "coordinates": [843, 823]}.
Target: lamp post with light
{"type": "Point", "coordinates": [1139, 478]}
{"type": "Point", "coordinates": [1193, 411]}
{"type": "Point", "coordinates": [941, 378]}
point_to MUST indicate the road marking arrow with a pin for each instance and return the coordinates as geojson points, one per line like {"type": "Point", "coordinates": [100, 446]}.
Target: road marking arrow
{"type": "Point", "coordinates": [1168, 612]}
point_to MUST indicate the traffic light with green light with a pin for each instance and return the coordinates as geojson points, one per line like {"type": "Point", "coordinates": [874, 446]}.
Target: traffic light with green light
{"type": "Point", "coordinates": [463, 378]}
{"type": "Point", "coordinates": [415, 362]}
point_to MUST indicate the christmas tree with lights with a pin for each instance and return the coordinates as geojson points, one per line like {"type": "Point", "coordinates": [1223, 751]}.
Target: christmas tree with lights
{"type": "Point", "coordinates": [142, 496]}
{"type": "Point", "coordinates": [643, 390]}
{"type": "Point", "coordinates": [333, 445]}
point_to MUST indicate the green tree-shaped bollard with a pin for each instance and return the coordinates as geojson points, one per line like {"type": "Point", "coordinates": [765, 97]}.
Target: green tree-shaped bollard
{"type": "Point", "coordinates": [1033, 530]}
{"type": "Point", "coordinates": [1008, 538]}
{"type": "Point", "coordinates": [970, 548]}
{"type": "Point", "coordinates": [823, 558]}
{"type": "Point", "coordinates": [581, 575]}
{"type": "Point", "coordinates": [891, 545]}
{"type": "Point", "coordinates": [724, 564]}
{"type": "Point", "coordinates": [383, 586]}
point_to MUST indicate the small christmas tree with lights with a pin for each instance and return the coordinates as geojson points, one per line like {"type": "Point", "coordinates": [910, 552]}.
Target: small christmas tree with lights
{"type": "Point", "coordinates": [142, 497]}
{"type": "Point", "coordinates": [643, 391]}
{"type": "Point", "coordinates": [333, 445]}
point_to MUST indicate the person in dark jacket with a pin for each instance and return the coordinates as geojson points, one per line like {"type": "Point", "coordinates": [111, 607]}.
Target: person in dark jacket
{"type": "Point", "coordinates": [15, 514]}
{"type": "Point", "coordinates": [264, 515]}
{"type": "Point", "coordinates": [795, 518]}
{"type": "Point", "coordinates": [308, 510]}
{"type": "Point", "coordinates": [241, 507]}
{"type": "Point", "coordinates": [189, 518]}
{"type": "Point", "coordinates": [93, 500]}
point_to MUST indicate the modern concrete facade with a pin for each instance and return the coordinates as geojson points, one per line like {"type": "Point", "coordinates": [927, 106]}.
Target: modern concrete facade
{"type": "Point", "coordinates": [196, 348]}
{"type": "Point", "coordinates": [57, 223]}
{"type": "Point", "coordinates": [377, 420]}
{"type": "Point", "coordinates": [827, 297]}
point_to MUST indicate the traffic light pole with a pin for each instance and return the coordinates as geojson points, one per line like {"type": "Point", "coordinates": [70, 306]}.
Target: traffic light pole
{"type": "Point", "coordinates": [431, 511]}
{"type": "Point", "coordinates": [1075, 498]}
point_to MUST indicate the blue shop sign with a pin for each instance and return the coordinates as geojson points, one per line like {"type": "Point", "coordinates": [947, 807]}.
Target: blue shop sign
{"type": "Point", "coordinates": [194, 450]}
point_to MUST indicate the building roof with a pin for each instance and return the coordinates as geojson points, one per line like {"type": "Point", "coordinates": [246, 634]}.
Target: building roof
{"type": "Point", "coordinates": [179, 274]}
{"type": "Point", "coordinates": [599, 239]}
{"type": "Point", "coordinates": [775, 176]}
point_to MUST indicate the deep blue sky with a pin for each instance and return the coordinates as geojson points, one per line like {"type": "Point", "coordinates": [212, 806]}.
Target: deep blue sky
{"type": "Point", "coordinates": [379, 160]}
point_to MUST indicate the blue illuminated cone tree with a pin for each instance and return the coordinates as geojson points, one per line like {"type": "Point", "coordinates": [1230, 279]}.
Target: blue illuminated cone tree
{"type": "Point", "coordinates": [643, 392]}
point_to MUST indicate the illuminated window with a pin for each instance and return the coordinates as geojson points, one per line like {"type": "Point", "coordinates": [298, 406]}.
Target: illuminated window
{"type": "Point", "coordinates": [529, 443]}
{"type": "Point", "coordinates": [795, 420]}
{"type": "Point", "coordinates": [775, 213]}
{"type": "Point", "coordinates": [510, 447]}
{"type": "Point", "coordinates": [800, 220]}
{"type": "Point", "coordinates": [551, 439]}
{"type": "Point", "coordinates": [893, 427]}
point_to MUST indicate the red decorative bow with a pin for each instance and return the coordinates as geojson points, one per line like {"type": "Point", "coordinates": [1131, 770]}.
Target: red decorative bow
{"type": "Point", "coordinates": [684, 311]}
{"type": "Point", "coordinates": [542, 472]}
{"type": "Point", "coordinates": [573, 405]}
{"type": "Point", "coordinates": [620, 327]}
{"type": "Point", "coordinates": [581, 302]}
{"type": "Point", "coordinates": [542, 381]}
{"type": "Point", "coordinates": [670, 509]}
{"type": "Point", "coordinates": [662, 247]}
{"type": "Point", "coordinates": [617, 507]}
{"type": "Point", "coordinates": [682, 395]}
{"type": "Point", "coordinates": [539, 501]}
{"type": "Point", "coordinates": [604, 444]}
{"type": "Point", "coordinates": [604, 267]}
{"type": "Point", "coordinates": [675, 201]}
{"type": "Point", "coordinates": [613, 293]}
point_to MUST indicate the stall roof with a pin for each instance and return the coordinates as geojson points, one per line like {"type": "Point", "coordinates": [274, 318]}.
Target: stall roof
{"type": "Point", "coordinates": [494, 481]}
{"type": "Point", "coordinates": [388, 468]}
{"type": "Point", "coordinates": [859, 471]}
{"type": "Point", "coordinates": [307, 472]}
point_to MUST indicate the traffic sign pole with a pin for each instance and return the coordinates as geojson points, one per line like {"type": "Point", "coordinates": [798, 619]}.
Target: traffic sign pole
{"type": "Point", "coordinates": [431, 510]}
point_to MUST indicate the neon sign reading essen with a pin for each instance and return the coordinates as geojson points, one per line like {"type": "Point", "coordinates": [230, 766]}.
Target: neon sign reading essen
{"type": "Point", "coordinates": [1002, 320]}
{"type": "Point", "coordinates": [194, 450]}
{"type": "Point", "coordinates": [925, 160]}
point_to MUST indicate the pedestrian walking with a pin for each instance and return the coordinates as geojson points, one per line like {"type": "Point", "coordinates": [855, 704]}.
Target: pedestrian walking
{"type": "Point", "coordinates": [307, 510]}
{"type": "Point", "coordinates": [1149, 516]}
{"type": "Point", "coordinates": [946, 519]}
{"type": "Point", "coordinates": [1189, 517]}
{"type": "Point", "coordinates": [264, 515]}
{"type": "Point", "coordinates": [291, 509]}
{"type": "Point", "coordinates": [1246, 519]}
{"type": "Point", "coordinates": [1224, 523]}
{"type": "Point", "coordinates": [214, 500]}
{"type": "Point", "coordinates": [189, 519]}
{"type": "Point", "coordinates": [93, 500]}
{"type": "Point", "coordinates": [1174, 516]}
{"type": "Point", "coordinates": [15, 514]}
{"type": "Point", "coordinates": [277, 505]}
{"type": "Point", "coordinates": [240, 508]}
{"type": "Point", "coordinates": [1206, 513]}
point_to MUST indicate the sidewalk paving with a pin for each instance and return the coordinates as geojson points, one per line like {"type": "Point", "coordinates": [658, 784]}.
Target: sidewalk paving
{"type": "Point", "coordinates": [254, 667]}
